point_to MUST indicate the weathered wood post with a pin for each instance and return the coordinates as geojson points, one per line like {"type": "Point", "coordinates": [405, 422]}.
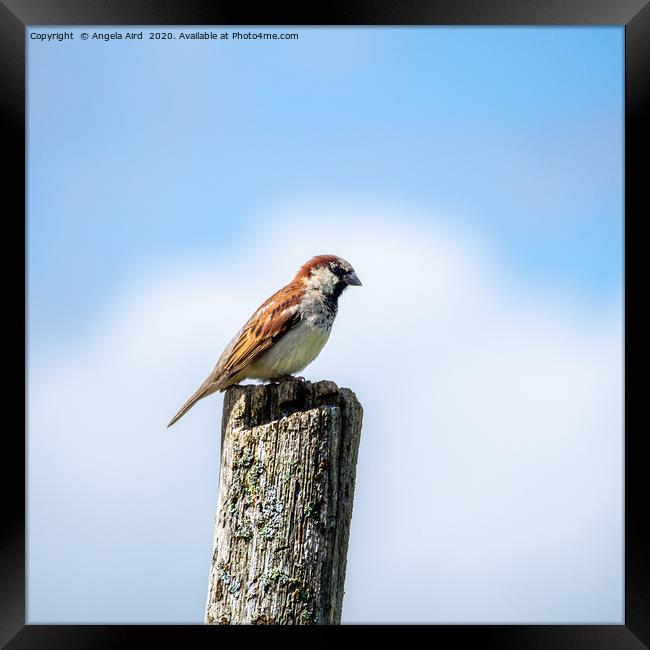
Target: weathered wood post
{"type": "Point", "coordinates": [286, 486]}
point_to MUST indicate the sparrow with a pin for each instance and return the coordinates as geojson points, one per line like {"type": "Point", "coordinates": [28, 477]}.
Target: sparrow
{"type": "Point", "coordinates": [286, 332]}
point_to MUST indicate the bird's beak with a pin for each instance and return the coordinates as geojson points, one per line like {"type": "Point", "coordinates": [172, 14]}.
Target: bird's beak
{"type": "Point", "coordinates": [352, 279]}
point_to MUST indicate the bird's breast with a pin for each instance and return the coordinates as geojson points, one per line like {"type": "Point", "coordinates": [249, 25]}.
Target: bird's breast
{"type": "Point", "coordinates": [292, 352]}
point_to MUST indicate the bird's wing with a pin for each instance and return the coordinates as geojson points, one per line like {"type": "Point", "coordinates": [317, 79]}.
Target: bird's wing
{"type": "Point", "coordinates": [273, 319]}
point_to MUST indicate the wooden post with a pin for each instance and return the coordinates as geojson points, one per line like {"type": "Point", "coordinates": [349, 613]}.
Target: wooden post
{"type": "Point", "coordinates": [286, 486]}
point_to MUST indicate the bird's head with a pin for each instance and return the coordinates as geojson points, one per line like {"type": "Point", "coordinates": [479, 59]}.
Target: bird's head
{"type": "Point", "coordinates": [328, 274]}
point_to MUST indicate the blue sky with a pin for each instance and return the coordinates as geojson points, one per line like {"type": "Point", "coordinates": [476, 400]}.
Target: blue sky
{"type": "Point", "coordinates": [141, 151]}
{"type": "Point", "coordinates": [473, 177]}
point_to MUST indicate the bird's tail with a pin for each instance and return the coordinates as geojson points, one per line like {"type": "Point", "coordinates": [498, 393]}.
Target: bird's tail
{"type": "Point", "coordinates": [208, 387]}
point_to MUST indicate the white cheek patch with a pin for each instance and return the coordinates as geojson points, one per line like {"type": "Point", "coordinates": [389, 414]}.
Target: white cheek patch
{"type": "Point", "coordinates": [322, 279]}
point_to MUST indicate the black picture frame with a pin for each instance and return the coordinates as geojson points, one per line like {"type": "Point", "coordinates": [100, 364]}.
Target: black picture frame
{"type": "Point", "coordinates": [17, 15]}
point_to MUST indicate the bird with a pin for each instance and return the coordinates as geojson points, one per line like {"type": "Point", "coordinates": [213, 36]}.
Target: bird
{"type": "Point", "coordinates": [286, 332]}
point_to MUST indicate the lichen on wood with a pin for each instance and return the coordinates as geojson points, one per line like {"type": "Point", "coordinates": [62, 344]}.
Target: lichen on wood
{"type": "Point", "coordinates": [286, 487]}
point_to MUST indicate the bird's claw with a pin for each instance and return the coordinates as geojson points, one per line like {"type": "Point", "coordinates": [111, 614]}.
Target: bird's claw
{"type": "Point", "coordinates": [279, 380]}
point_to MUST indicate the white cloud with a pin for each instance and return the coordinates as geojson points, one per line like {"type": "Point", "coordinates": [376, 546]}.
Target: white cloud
{"type": "Point", "coordinates": [490, 473]}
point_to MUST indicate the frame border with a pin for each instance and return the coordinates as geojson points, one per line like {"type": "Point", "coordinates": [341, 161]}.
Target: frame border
{"type": "Point", "coordinates": [17, 15]}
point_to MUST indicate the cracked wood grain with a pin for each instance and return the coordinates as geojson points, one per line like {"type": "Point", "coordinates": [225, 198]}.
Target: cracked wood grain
{"type": "Point", "coordinates": [286, 488]}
